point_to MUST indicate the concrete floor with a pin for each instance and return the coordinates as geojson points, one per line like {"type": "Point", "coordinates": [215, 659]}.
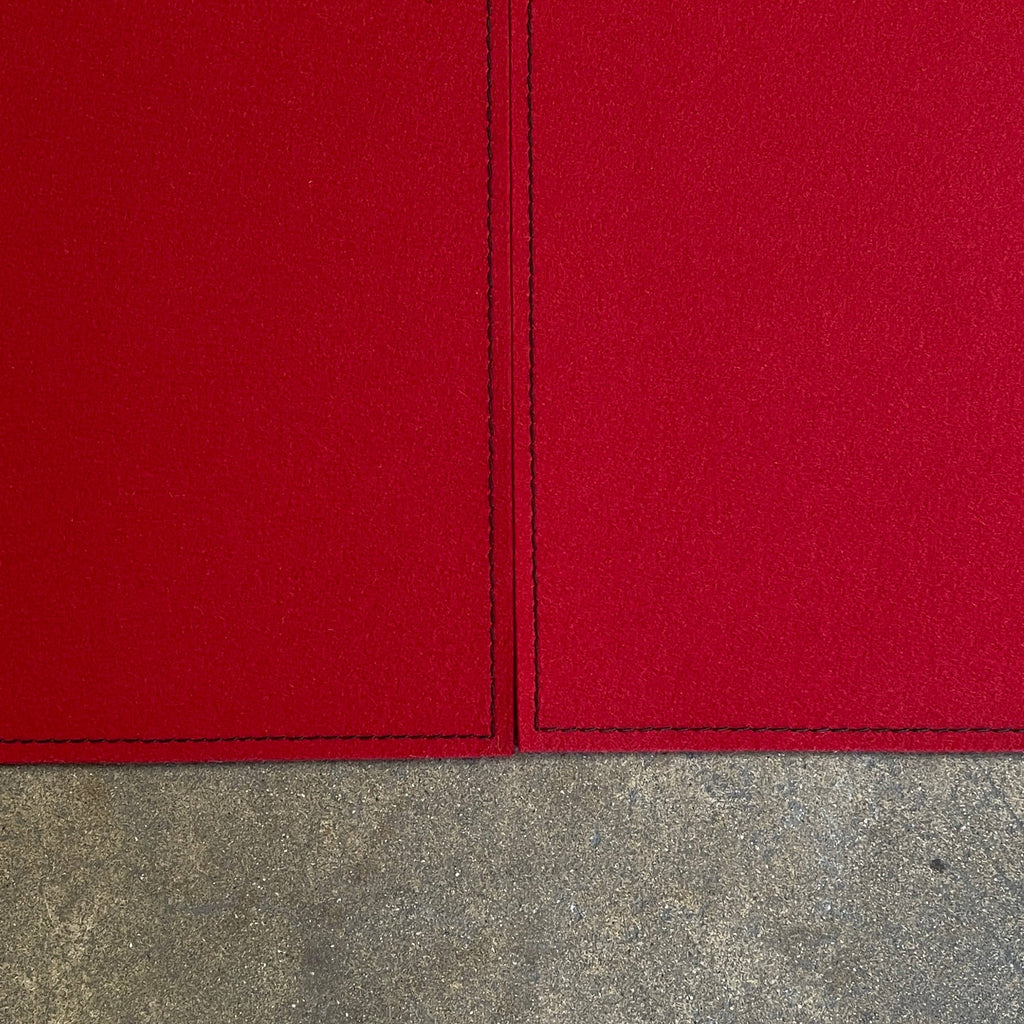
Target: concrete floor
{"type": "Point", "coordinates": [705, 889]}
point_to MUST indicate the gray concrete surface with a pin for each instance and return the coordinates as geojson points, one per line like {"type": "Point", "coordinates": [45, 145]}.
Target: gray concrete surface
{"type": "Point", "coordinates": [706, 889]}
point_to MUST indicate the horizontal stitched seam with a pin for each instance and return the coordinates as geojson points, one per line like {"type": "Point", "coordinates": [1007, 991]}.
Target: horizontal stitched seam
{"type": "Point", "coordinates": [258, 739]}
{"type": "Point", "coordinates": [782, 728]}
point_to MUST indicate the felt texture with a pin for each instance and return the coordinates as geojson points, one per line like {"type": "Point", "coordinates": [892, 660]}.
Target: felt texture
{"type": "Point", "coordinates": [361, 363]}
{"type": "Point", "coordinates": [253, 381]}
{"type": "Point", "coordinates": [769, 375]}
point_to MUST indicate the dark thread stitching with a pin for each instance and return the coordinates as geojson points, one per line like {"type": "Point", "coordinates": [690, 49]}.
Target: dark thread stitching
{"type": "Point", "coordinates": [490, 365]}
{"type": "Point", "coordinates": [490, 527]}
{"type": "Point", "coordinates": [783, 728]}
{"type": "Point", "coordinates": [530, 370]}
{"type": "Point", "coordinates": [533, 519]}
{"type": "Point", "coordinates": [252, 739]}
{"type": "Point", "coordinates": [514, 616]}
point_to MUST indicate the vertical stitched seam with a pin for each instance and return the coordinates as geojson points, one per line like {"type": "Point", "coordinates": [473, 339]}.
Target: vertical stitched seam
{"type": "Point", "coordinates": [511, 367]}
{"type": "Point", "coordinates": [530, 374]}
{"type": "Point", "coordinates": [490, 371]}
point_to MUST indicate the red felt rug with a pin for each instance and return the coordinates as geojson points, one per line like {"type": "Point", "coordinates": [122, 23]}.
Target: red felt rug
{"type": "Point", "coordinates": [770, 376]}
{"type": "Point", "coordinates": [360, 366]}
{"type": "Point", "coordinates": [253, 381]}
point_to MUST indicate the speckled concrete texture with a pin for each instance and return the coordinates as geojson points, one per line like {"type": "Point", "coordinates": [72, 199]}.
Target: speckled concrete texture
{"type": "Point", "coordinates": [710, 889]}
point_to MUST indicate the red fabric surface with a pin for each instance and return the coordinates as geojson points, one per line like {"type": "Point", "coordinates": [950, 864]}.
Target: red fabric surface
{"type": "Point", "coordinates": [278, 285]}
{"type": "Point", "coordinates": [253, 409]}
{"type": "Point", "coordinates": [770, 375]}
